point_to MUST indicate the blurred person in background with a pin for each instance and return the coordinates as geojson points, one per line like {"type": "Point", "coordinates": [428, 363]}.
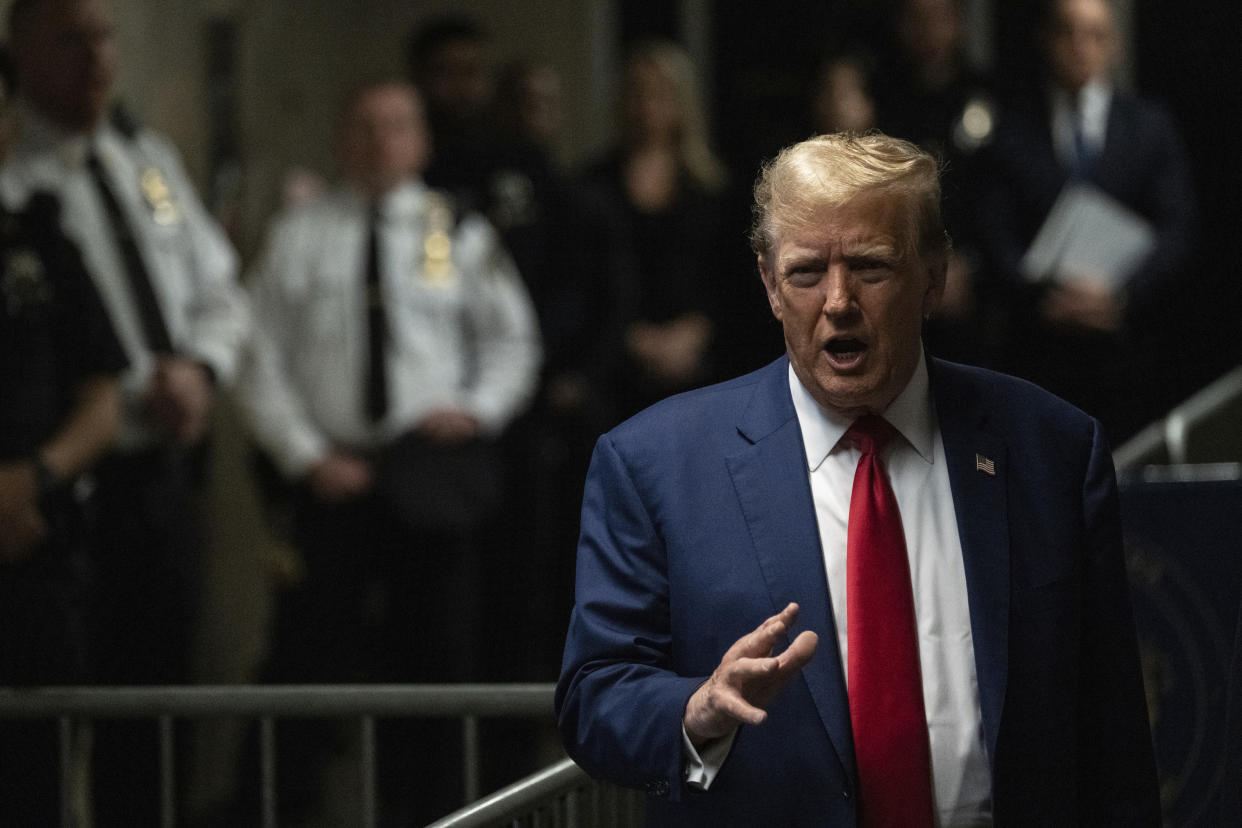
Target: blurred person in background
{"type": "Point", "coordinates": [926, 92]}
{"type": "Point", "coordinates": [167, 277]}
{"type": "Point", "coordinates": [565, 242]}
{"type": "Point", "coordinates": [570, 251]}
{"type": "Point", "coordinates": [1101, 342]}
{"type": "Point", "coordinates": [665, 184]}
{"type": "Point", "coordinates": [448, 61]}
{"type": "Point", "coordinates": [59, 361]}
{"type": "Point", "coordinates": [930, 93]}
{"type": "Point", "coordinates": [841, 98]}
{"type": "Point", "coordinates": [8, 81]}
{"type": "Point", "coordinates": [530, 102]}
{"type": "Point", "coordinates": [394, 343]}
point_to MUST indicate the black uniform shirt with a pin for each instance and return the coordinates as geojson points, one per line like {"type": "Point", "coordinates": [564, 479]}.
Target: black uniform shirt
{"type": "Point", "coordinates": [54, 331]}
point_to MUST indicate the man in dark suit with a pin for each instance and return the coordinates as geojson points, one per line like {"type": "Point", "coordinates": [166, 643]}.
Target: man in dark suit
{"type": "Point", "coordinates": [722, 651]}
{"type": "Point", "coordinates": [1102, 343]}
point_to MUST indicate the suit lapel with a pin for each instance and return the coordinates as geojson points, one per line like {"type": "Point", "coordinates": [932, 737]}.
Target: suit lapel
{"type": "Point", "coordinates": [980, 503]}
{"type": "Point", "coordinates": [770, 479]}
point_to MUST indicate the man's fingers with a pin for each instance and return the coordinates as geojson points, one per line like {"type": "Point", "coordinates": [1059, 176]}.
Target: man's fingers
{"type": "Point", "coordinates": [797, 654]}
{"type": "Point", "coordinates": [759, 642]}
{"type": "Point", "coordinates": [745, 670]}
{"type": "Point", "coordinates": [727, 698]}
{"type": "Point", "coordinates": [786, 666]}
{"type": "Point", "coordinates": [786, 616]}
{"type": "Point", "coordinates": [736, 707]}
{"type": "Point", "coordinates": [717, 707]}
{"type": "Point", "coordinates": [779, 623]}
{"type": "Point", "coordinates": [748, 684]}
{"type": "Point", "coordinates": [748, 678]}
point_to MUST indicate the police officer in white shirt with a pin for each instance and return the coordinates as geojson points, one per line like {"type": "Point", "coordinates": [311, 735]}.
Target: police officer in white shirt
{"type": "Point", "coordinates": [167, 276]}
{"type": "Point", "coordinates": [393, 339]}
{"type": "Point", "coordinates": [462, 350]}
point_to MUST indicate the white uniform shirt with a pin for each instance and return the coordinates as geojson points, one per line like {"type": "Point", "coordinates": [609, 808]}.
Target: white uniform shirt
{"type": "Point", "coordinates": [469, 342]}
{"type": "Point", "coordinates": [919, 475]}
{"type": "Point", "coordinates": [192, 266]}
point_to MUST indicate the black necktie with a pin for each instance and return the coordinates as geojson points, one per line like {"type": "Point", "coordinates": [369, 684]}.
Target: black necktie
{"type": "Point", "coordinates": [153, 327]}
{"type": "Point", "coordinates": [1084, 154]}
{"type": "Point", "coordinates": [377, 326]}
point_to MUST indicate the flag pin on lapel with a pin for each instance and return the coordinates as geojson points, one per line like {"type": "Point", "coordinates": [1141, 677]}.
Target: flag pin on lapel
{"type": "Point", "coordinates": [985, 464]}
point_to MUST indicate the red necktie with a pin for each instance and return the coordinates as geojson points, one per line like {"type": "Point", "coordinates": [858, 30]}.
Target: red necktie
{"type": "Point", "coordinates": [885, 682]}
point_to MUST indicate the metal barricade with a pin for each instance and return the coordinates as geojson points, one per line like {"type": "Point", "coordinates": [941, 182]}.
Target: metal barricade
{"type": "Point", "coordinates": [267, 703]}
{"type": "Point", "coordinates": [1205, 428]}
{"type": "Point", "coordinates": [559, 796]}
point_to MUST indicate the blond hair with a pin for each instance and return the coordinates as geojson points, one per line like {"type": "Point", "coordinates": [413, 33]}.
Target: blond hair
{"type": "Point", "coordinates": [827, 171]}
{"type": "Point", "coordinates": [695, 152]}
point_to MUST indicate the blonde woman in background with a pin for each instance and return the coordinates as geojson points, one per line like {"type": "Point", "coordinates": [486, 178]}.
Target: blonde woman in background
{"type": "Point", "coordinates": [665, 184]}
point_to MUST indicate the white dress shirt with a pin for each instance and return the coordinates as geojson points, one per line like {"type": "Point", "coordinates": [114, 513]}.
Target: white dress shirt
{"type": "Point", "coordinates": [192, 266]}
{"type": "Point", "coordinates": [1087, 111]}
{"type": "Point", "coordinates": [918, 473]}
{"type": "Point", "coordinates": [469, 342]}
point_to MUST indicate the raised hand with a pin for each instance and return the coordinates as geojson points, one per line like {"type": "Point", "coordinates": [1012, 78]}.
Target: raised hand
{"type": "Point", "coordinates": [748, 678]}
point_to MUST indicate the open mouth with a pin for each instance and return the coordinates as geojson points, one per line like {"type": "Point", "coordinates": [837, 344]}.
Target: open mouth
{"type": "Point", "coordinates": [845, 352]}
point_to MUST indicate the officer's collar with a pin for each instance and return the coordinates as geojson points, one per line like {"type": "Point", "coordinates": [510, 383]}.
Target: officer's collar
{"type": "Point", "coordinates": [404, 199]}
{"type": "Point", "coordinates": [38, 131]}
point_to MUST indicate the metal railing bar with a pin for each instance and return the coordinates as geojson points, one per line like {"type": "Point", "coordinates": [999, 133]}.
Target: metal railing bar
{"type": "Point", "coordinates": [1141, 448]}
{"type": "Point", "coordinates": [294, 700]}
{"type": "Point", "coordinates": [367, 770]}
{"type": "Point", "coordinates": [512, 801]}
{"type": "Point", "coordinates": [267, 703]}
{"type": "Point", "coordinates": [573, 805]}
{"type": "Point", "coordinates": [1191, 473]}
{"type": "Point", "coordinates": [470, 759]}
{"type": "Point", "coordinates": [66, 771]}
{"type": "Point", "coordinates": [267, 770]}
{"type": "Point", "coordinates": [168, 777]}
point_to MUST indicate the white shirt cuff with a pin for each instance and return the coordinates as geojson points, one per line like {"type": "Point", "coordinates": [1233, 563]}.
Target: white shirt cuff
{"type": "Point", "coordinates": [702, 766]}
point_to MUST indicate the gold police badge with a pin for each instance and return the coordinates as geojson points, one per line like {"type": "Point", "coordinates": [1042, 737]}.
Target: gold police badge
{"type": "Point", "coordinates": [158, 196]}
{"type": "Point", "coordinates": [437, 267]}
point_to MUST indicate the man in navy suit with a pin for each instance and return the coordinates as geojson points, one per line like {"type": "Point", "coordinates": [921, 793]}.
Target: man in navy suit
{"type": "Point", "coordinates": [1111, 346]}
{"type": "Point", "coordinates": [707, 650]}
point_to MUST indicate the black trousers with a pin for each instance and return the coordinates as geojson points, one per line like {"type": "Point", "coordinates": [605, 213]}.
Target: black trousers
{"type": "Point", "coordinates": [42, 642]}
{"type": "Point", "coordinates": [380, 602]}
{"type": "Point", "coordinates": [144, 615]}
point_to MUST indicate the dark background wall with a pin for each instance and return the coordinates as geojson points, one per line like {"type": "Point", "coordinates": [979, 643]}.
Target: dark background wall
{"type": "Point", "coordinates": [1187, 58]}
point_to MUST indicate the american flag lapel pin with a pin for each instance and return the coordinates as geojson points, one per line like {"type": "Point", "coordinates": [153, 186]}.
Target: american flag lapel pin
{"type": "Point", "coordinates": [985, 464]}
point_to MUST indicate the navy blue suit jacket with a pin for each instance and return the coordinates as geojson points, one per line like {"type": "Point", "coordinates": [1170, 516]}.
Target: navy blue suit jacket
{"type": "Point", "coordinates": [698, 523]}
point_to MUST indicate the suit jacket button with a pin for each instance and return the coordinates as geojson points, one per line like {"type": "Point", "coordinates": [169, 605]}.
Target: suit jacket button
{"type": "Point", "coordinates": [658, 788]}
{"type": "Point", "coordinates": [845, 793]}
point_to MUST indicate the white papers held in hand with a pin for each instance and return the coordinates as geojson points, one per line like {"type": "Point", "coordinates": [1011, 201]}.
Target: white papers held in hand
{"type": "Point", "coordinates": [1088, 234]}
